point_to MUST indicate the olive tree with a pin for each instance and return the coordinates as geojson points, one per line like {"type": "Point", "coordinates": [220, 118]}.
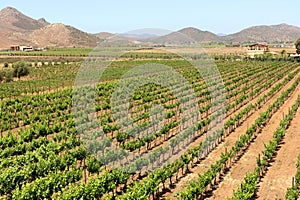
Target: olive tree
{"type": "Point", "coordinates": [2, 75]}
{"type": "Point", "coordinates": [6, 75]}
{"type": "Point", "coordinates": [20, 68]}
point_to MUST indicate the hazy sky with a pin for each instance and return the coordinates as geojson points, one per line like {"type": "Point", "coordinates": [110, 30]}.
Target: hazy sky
{"type": "Point", "coordinates": [218, 16]}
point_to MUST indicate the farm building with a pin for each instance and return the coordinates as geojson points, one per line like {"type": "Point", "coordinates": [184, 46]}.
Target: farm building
{"type": "Point", "coordinates": [15, 48]}
{"type": "Point", "coordinates": [21, 48]}
{"type": "Point", "coordinates": [295, 56]}
{"type": "Point", "coordinates": [257, 49]}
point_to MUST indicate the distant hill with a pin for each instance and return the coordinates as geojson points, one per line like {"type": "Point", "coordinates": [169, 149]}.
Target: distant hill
{"type": "Point", "coordinates": [200, 36]}
{"type": "Point", "coordinates": [19, 29]}
{"type": "Point", "coordinates": [270, 34]}
{"type": "Point", "coordinates": [104, 35]}
{"type": "Point", "coordinates": [63, 36]}
{"type": "Point", "coordinates": [186, 35]}
{"type": "Point", "coordinates": [221, 34]}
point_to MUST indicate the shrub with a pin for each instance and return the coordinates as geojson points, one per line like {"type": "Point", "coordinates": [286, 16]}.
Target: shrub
{"type": "Point", "coordinates": [20, 68]}
{"type": "Point", "coordinates": [6, 75]}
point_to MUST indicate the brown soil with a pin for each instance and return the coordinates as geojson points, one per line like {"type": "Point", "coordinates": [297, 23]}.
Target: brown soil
{"type": "Point", "coordinates": [228, 143]}
{"type": "Point", "coordinates": [248, 161]}
{"type": "Point", "coordinates": [279, 176]}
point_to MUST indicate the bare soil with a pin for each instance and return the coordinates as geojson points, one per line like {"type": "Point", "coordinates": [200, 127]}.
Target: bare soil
{"type": "Point", "coordinates": [247, 163]}
{"type": "Point", "coordinates": [227, 143]}
{"type": "Point", "coordinates": [279, 176]}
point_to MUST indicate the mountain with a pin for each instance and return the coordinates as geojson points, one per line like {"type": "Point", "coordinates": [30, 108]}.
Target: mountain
{"type": "Point", "coordinates": [19, 29]}
{"type": "Point", "coordinates": [200, 36]}
{"type": "Point", "coordinates": [138, 36]}
{"type": "Point", "coordinates": [104, 35]}
{"type": "Point", "coordinates": [270, 34]}
{"type": "Point", "coordinates": [63, 36]}
{"type": "Point", "coordinates": [221, 34]}
{"type": "Point", "coordinates": [186, 36]}
{"type": "Point", "coordinates": [263, 33]}
{"type": "Point", "coordinates": [13, 20]}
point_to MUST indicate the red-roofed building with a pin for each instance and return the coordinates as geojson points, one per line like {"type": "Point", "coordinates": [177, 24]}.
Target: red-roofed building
{"type": "Point", "coordinates": [257, 49]}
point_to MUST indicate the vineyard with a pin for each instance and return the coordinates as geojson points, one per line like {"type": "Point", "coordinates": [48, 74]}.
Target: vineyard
{"type": "Point", "coordinates": [251, 153]}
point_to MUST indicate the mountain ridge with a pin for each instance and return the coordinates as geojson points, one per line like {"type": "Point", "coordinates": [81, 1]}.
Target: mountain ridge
{"type": "Point", "coordinates": [266, 33]}
{"type": "Point", "coordinates": [17, 28]}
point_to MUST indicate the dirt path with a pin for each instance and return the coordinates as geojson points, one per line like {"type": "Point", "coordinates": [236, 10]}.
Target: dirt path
{"type": "Point", "coordinates": [279, 176]}
{"type": "Point", "coordinates": [228, 143]}
{"type": "Point", "coordinates": [247, 162]}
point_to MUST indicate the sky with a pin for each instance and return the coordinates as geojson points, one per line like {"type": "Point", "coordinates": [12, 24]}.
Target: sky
{"type": "Point", "coordinates": [115, 16]}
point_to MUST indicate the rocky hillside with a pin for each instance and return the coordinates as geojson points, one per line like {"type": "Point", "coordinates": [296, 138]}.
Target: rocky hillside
{"type": "Point", "coordinates": [270, 34]}
{"type": "Point", "coordinates": [19, 29]}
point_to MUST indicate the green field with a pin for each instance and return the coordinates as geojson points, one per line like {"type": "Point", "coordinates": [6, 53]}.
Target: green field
{"type": "Point", "coordinates": [43, 156]}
